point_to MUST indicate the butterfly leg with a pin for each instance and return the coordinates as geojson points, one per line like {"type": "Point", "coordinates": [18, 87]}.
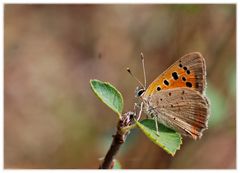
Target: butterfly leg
{"type": "Point", "coordinates": [140, 112]}
{"type": "Point", "coordinates": [156, 124]}
{"type": "Point", "coordinates": [135, 107]}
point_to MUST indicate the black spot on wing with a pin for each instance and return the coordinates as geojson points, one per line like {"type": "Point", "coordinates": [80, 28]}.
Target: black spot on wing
{"type": "Point", "coordinates": [175, 75]}
{"type": "Point", "coordinates": [189, 84]}
{"type": "Point", "coordinates": [166, 82]}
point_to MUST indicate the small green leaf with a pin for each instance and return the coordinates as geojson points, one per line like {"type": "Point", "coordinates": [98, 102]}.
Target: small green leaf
{"type": "Point", "coordinates": [166, 138]}
{"type": "Point", "coordinates": [116, 164]}
{"type": "Point", "coordinates": [109, 95]}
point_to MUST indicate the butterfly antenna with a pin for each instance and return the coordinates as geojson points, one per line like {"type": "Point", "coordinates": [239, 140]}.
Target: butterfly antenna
{"type": "Point", "coordinates": [144, 72]}
{"type": "Point", "coordinates": [129, 71]}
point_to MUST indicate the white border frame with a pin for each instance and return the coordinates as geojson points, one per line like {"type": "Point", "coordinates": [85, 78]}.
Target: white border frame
{"type": "Point", "coordinates": [111, 2]}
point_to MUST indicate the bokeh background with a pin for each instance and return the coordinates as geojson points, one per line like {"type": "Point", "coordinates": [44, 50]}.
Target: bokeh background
{"type": "Point", "coordinates": [52, 118]}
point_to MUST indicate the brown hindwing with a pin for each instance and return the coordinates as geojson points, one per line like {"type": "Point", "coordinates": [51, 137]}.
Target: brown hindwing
{"type": "Point", "coordinates": [182, 109]}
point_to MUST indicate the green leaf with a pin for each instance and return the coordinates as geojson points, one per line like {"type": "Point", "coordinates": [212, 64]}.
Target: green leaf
{"type": "Point", "coordinates": [109, 95]}
{"type": "Point", "coordinates": [116, 164]}
{"type": "Point", "coordinates": [166, 138]}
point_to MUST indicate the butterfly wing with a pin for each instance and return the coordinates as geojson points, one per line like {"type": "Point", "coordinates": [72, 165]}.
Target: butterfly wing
{"type": "Point", "coordinates": [189, 71]}
{"type": "Point", "coordinates": [181, 109]}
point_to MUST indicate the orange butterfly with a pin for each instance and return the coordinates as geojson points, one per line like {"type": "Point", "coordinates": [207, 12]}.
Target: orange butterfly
{"type": "Point", "coordinates": [176, 98]}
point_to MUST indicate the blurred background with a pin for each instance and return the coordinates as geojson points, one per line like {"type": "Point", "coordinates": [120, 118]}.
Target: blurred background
{"type": "Point", "coordinates": [52, 118]}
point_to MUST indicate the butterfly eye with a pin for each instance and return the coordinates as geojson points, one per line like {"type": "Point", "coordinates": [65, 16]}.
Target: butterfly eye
{"type": "Point", "coordinates": [140, 92]}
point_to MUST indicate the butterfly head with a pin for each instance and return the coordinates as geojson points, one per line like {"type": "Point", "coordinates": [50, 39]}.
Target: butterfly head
{"type": "Point", "coordinates": [139, 91]}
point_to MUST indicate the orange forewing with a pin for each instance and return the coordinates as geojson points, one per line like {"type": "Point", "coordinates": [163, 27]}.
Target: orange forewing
{"type": "Point", "coordinates": [188, 71]}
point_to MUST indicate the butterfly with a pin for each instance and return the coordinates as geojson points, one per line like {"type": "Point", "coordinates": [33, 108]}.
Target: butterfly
{"type": "Point", "coordinates": [176, 98]}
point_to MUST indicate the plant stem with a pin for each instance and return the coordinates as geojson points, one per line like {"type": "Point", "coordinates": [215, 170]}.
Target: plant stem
{"type": "Point", "coordinates": [118, 140]}
{"type": "Point", "coordinates": [125, 124]}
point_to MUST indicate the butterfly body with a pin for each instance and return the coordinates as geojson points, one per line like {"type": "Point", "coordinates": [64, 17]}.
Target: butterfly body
{"type": "Point", "coordinates": [176, 98]}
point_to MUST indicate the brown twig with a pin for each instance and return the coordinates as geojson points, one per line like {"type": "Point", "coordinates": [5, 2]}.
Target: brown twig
{"type": "Point", "coordinates": [118, 139]}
